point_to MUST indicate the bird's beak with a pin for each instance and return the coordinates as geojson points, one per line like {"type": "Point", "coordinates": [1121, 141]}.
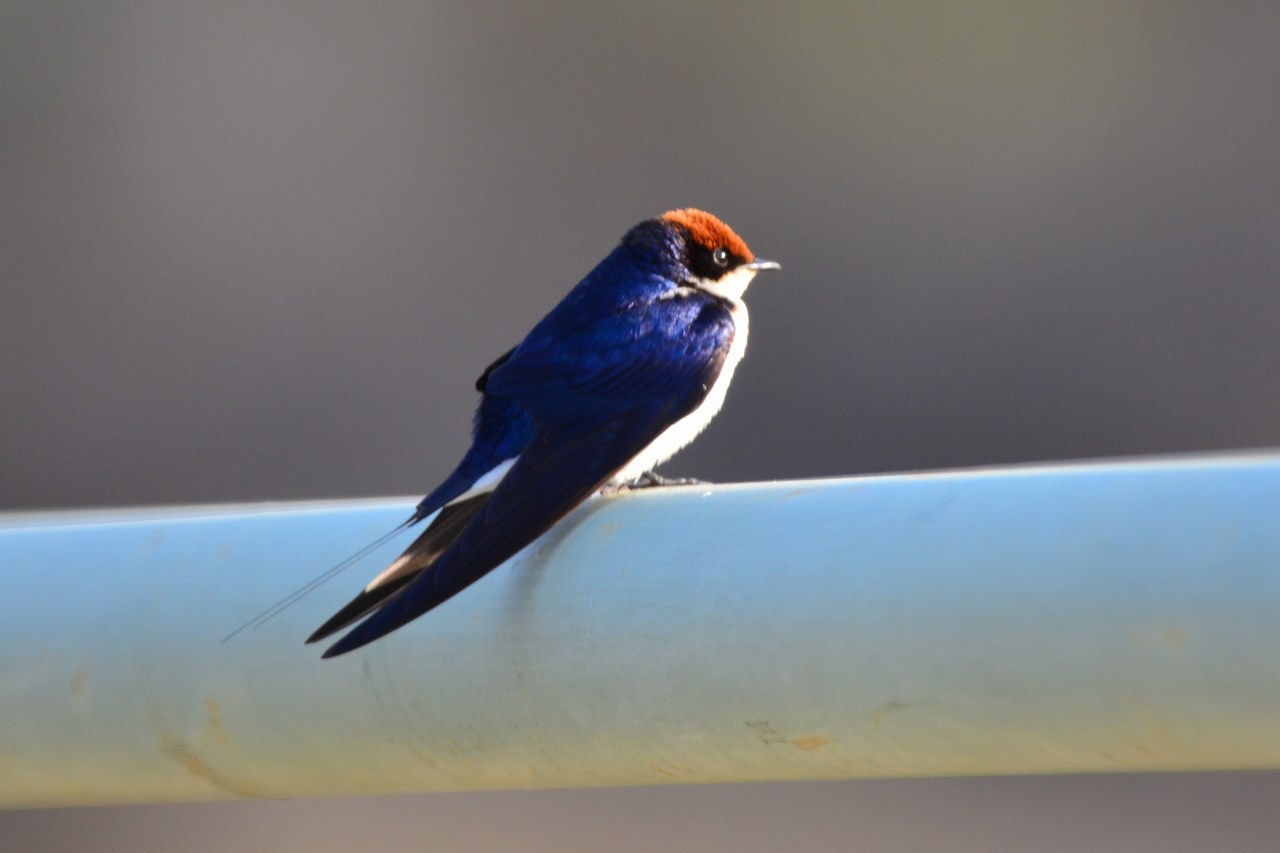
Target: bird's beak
{"type": "Point", "coordinates": [761, 264]}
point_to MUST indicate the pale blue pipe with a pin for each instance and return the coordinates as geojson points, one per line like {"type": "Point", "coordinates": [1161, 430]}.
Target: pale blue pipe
{"type": "Point", "coordinates": [1111, 616]}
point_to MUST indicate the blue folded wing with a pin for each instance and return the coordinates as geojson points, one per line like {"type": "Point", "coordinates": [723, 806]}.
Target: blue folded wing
{"type": "Point", "coordinates": [500, 430]}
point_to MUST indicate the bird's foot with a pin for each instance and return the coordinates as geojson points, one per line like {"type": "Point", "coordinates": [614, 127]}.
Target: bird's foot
{"type": "Point", "coordinates": [652, 478]}
{"type": "Point", "coordinates": [648, 480]}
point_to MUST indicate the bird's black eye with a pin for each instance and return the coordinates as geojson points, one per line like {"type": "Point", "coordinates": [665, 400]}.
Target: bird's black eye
{"type": "Point", "coordinates": [721, 257]}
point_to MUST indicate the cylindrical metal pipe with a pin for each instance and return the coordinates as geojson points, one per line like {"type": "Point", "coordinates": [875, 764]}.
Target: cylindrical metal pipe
{"type": "Point", "coordinates": [1088, 617]}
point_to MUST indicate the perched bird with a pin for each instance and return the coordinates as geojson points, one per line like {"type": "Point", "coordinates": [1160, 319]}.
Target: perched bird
{"type": "Point", "coordinates": [628, 368]}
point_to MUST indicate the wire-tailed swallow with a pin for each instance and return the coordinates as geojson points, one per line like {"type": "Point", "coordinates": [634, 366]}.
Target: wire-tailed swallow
{"type": "Point", "coordinates": [628, 368]}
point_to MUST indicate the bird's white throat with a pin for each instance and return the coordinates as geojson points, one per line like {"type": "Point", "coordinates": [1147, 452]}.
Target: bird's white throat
{"type": "Point", "coordinates": [731, 285]}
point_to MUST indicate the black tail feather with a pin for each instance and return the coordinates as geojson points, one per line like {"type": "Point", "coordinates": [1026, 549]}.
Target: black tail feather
{"type": "Point", "coordinates": [423, 553]}
{"type": "Point", "coordinates": [360, 606]}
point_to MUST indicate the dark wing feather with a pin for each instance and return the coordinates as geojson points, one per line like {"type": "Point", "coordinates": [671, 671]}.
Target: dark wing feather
{"type": "Point", "coordinates": [417, 558]}
{"type": "Point", "coordinates": [498, 362]}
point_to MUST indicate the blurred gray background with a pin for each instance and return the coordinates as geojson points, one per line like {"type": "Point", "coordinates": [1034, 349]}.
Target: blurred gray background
{"type": "Point", "coordinates": [261, 250]}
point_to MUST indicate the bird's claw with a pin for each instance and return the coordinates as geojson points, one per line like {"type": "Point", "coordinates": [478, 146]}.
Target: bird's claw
{"type": "Point", "coordinates": [648, 480]}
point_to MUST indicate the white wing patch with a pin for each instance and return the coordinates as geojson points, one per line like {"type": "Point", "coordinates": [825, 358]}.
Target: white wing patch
{"type": "Point", "coordinates": [484, 483]}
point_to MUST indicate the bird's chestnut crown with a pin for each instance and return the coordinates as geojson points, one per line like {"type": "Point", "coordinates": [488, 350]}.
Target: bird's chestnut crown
{"type": "Point", "coordinates": [712, 246]}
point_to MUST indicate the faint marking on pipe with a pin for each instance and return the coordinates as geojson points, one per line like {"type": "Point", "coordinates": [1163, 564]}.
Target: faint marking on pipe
{"type": "Point", "coordinates": [811, 743]}
{"type": "Point", "coordinates": [876, 715]}
{"type": "Point", "coordinates": [672, 771]}
{"type": "Point", "coordinates": [797, 492]}
{"type": "Point", "coordinates": [185, 755]}
{"type": "Point", "coordinates": [765, 731]}
{"type": "Point", "coordinates": [214, 713]}
{"type": "Point", "coordinates": [1158, 728]}
{"type": "Point", "coordinates": [407, 722]}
